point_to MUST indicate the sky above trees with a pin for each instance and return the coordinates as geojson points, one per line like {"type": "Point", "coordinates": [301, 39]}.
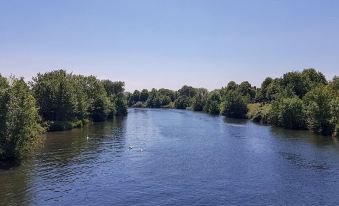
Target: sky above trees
{"type": "Point", "coordinates": [169, 43]}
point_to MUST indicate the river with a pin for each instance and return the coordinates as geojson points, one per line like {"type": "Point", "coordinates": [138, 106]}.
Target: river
{"type": "Point", "coordinates": [176, 157]}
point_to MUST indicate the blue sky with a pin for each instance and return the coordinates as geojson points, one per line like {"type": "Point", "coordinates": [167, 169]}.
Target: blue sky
{"type": "Point", "coordinates": [169, 43]}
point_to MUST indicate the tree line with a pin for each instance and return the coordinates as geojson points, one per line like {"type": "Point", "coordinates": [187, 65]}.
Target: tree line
{"type": "Point", "coordinates": [53, 101]}
{"type": "Point", "coordinates": [297, 100]}
{"type": "Point", "coordinates": [58, 100]}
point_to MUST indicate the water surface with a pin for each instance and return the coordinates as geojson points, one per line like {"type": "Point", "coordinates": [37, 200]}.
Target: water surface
{"type": "Point", "coordinates": [176, 157]}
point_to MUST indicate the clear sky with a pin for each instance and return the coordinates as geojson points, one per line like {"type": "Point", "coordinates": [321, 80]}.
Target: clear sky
{"type": "Point", "coordinates": [169, 43]}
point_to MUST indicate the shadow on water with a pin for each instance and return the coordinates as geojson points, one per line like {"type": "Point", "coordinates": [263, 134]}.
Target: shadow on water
{"type": "Point", "coordinates": [235, 122]}
{"type": "Point", "coordinates": [9, 164]}
{"type": "Point", "coordinates": [59, 161]}
{"type": "Point", "coordinates": [64, 148]}
{"type": "Point", "coordinates": [316, 139]}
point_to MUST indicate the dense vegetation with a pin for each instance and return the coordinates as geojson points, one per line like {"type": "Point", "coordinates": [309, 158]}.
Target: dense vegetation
{"type": "Point", "coordinates": [53, 101]}
{"type": "Point", "coordinates": [297, 100]}
{"type": "Point", "coordinates": [59, 100]}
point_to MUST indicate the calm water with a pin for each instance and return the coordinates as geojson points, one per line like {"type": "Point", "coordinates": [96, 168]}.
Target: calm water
{"type": "Point", "coordinates": [172, 157]}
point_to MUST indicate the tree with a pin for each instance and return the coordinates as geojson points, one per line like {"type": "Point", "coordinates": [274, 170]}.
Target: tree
{"type": "Point", "coordinates": [313, 78]}
{"type": "Point", "coordinates": [182, 102]}
{"type": "Point", "coordinates": [212, 105]}
{"type": "Point", "coordinates": [199, 100]}
{"type": "Point", "coordinates": [273, 90]}
{"type": "Point", "coordinates": [233, 105]}
{"type": "Point", "coordinates": [288, 113]}
{"type": "Point", "coordinates": [167, 92]}
{"type": "Point", "coordinates": [335, 84]}
{"type": "Point", "coordinates": [100, 105]}
{"type": "Point", "coordinates": [247, 90]}
{"type": "Point", "coordinates": [18, 119]}
{"type": "Point", "coordinates": [144, 95]}
{"type": "Point", "coordinates": [153, 100]}
{"type": "Point", "coordinates": [120, 105]}
{"type": "Point", "coordinates": [113, 88]}
{"type": "Point", "coordinates": [321, 109]}
{"type": "Point", "coordinates": [187, 91]}
{"type": "Point", "coordinates": [55, 95]}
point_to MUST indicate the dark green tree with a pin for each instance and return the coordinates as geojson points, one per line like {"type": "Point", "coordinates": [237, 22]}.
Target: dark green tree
{"type": "Point", "coordinates": [212, 105]}
{"type": "Point", "coordinates": [144, 95]}
{"type": "Point", "coordinates": [18, 119]}
{"type": "Point", "coordinates": [320, 105]}
{"type": "Point", "coordinates": [233, 105]}
{"type": "Point", "coordinates": [288, 113]}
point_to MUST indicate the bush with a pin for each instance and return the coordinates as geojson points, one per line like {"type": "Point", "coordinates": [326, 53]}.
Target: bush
{"type": "Point", "coordinates": [322, 110]}
{"type": "Point", "coordinates": [288, 113]}
{"type": "Point", "coordinates": [182, 102]}
{"type": "Point", "coordinates": [212, 105]}
{"type": "Point", "coordinates": [19, 127]}
{"type": "Point", "coordinates": [260, 113]}
{"type": "Point", "coordinates": [59, 126]}
{"type": "Point", "coordinates": [234, 105]}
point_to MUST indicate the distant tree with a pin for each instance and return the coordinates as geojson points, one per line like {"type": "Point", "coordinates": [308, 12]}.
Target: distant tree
{"type": "Point", "coordinates": [313, 78]}
{"type": "Point", "coordinates": [144, 95]}
{"type": "Point", "coordinates": [321, 108]}
{"type": "Point", "coordinates": [187, 91]}
{"type": "Point", "coordinates": [164, 100]}
{"type": "Point", "coordinates": [167, 92]}
{"type": "Point", "coordinates": [135, 97]}
{"type": "Point", "coordinates": [261, 95]}
{"type": "Point", "coordinates": [212, 105]}
{"type": "Point", "coordinates": [288, 113]}
{"type": "Point", "coordinates": [247, 90]}
{"type": "Point", "coordinates": [120, 105]}
{"type": "Point", "coordinates": [153, 100]}
{"type": "Point", "coordinates": [182, 102]}
{"type": "Point", "coordinates": [199, 100]}
{"type": "Point", "coordinates": [232, 86]}
{"type": "Point", "coordinates": [233, 105]}
{"type": "Point", "coordinates": [274, 90]}
{"type": "Point", "coordinates": [335, 84]}
{"type": "Point", "coordinates": [113, 88]}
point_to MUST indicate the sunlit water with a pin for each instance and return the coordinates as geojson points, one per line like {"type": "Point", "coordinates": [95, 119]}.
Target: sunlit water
{"type": "Point", "coordinates": [174, 157]}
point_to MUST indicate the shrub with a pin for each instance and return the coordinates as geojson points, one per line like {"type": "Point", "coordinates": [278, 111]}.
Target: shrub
{"type": "Point", "coordinates": [234, 105]}
{"type": "Point", "coordinates": [288, 113]}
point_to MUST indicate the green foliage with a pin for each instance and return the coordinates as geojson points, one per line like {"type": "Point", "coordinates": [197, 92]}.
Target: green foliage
{"type": "Point", "coordinates": [231, 86]}
{"type": "Point", "coordinates": [295, 82]}
{"type": "Point", "coordinates": [274, 90]}
{"type": "Point", "coordinates": [322, 109]}
{"type": "Point", "coordinates": [233, 105]}
{"type": "Point", "coordinates": [144, 95]}
{"type": "Point", "coordinates": [63, 98]}
{"type": "Point", "coordinates": [213, 101]}
{"type": "Point", "coordinates": [247, 90]}
{"type": "Point", "coordinates": [113, 88]}
{"type": "Point", "coordinates": [55, 95]}
{"type": "Point", "coordinates": [153, 100]}
{"type": "Point", "coordinates": [199, 100]}
{"type": "Point", "coordinates": [18, 119]}
{"type": "Point", "coordinates": [260, 112]}
{"type": "Point", "coordinates": [261, 95]}
{"type": "Point", "coordinates": [134, 98]}
{"type": "Point", "coordinates": [120, 105]}
{"type": "Point", "coordinates": [288, 113]}
{"type": "Point", "coordinates": [334, 104]}
{"type": "Point", "coordinates": [335, 84]}
{"type": "Point", "coordinates": [182, 102]}
{"type": "Point", "coordinates": [187, 91]}
{"type": "Point", "coordinates": [167, 93]}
